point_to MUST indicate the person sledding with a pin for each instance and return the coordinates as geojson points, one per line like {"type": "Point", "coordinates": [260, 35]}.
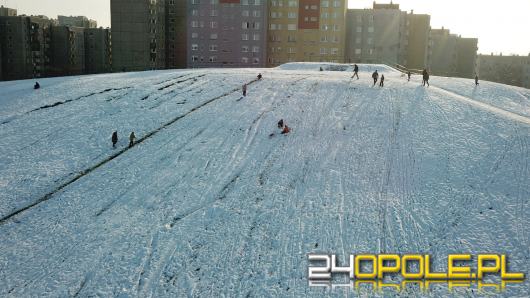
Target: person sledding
{"type": "Point", "coordinates": [284, 128]}
{"type": "Point", "coordinates": [36, 86]}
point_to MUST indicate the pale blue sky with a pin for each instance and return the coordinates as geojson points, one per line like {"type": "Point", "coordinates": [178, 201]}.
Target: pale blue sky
{"type": "Point", "coordinates": [501, 26]}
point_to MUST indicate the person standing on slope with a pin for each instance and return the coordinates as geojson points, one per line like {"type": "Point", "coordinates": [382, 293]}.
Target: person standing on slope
{"type": "Point", "coordinates": [355, 71]}
{"type": "Point", "coordinates": [409, 74]}
{"type": "Point", "coordinates": [476, 80]}
{"type": "Point", "coordinates": [132, 137]}
{"type": "Point", "coordinates": [375, 76]}
{"type": "Point", "coordinates": [114, 139]}
{"type": "Point", "coordinates": [425, 77]}
{"type": "Point", "coordinates": [245, 90]}
{"type": "Point", "coordinates": [382, 82]}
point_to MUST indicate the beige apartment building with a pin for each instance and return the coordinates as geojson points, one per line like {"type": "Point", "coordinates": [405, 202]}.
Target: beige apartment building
{"type": "Point", "coordinates": [306, 30]}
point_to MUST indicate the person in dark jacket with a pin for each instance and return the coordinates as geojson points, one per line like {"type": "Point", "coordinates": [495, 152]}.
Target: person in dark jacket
{"type": "Point", "coordinates": [132, 137]}
{"type": "Point", "coordinates": [245, 90]}
{"type": "Point", "coordinates": [476, 80]}
{"type": "Point", "coordinates": [355, 71]}
{"type": "Point", "coordinates": [260, 76]}
{"type": "Point", "coordinates": [425, 77]}
{"type": "Point", "coordinates": [280, 123]}
{"type": "Point", "coordinates": [382, 81]}
{"type": "Point", "coordinates": [114, 139]}
{"type": "Point", "coordinates": [409, 74]}
{"type": "Point", "coordinates": [36, 86]}
{"type": "Point", "coordinates": [375, 76]}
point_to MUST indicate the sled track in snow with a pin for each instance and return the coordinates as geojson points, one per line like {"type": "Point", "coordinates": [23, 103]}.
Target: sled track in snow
{"type": "Point", "coordinates": [89, 170]}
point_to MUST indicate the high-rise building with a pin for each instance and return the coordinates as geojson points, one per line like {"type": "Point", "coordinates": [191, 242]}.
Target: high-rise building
{"type": "Point", "coordinates": [77, 21]}
{"type": "Point", "coordinates": [138, 34]}
{"type": "Point", "coordinates": [453, 55]}
{"type": "Point", "coordinates": [227, 33]}
{"type": "Point", "coordinates": [375, 35]}
{"type": "Point", "coordinates": [385, 34]}
{"type": "Point", "coordinates": [7, 12]}
{"type": "Point", "coordinates": [419, 50]}
{"type": "Point", "coordinates": [467, 57]}
{"type": "Point", "coordinates": [176, 33]}
{"type": "Point", "coordinates": [68, 51]}
{"type": "Point", "coordinates": [24, 43]}
{"type": "Point", "coordinates": [306, 30]}
{"type": "Point", "coordinates": [444, 58]}
{"type": "Point", "coordinates": [98, 50]}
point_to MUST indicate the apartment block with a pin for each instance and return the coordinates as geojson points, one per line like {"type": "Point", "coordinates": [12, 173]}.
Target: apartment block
{"type": "Point", "coordinates": [511, 70]}
{"type": "Point", "coordinates": [98, 50]}
{"type": "Point", "coordinates": [138, 34]}
{"type": "Point", "coordinates": [68, 51]}
{"type": "Point", "coordinates": [306, 30]}
{"type": "Point", "coordinates": [375, 35]}
{"type": "Point", "coordinates": [25, 47]}
{"type": "Point", "coordinates": [453, 55]}
{"type": "Point", "coordinates": [7, 12]}
{"type": "Point", "coordinates": [385, 34]}
{"type": "Point", "coordinates": [227, 33]}
{"type": "Point", "coordinates": [176, 33]}
{"type": "Point", "coordinates": [77, 21]}
{"type": "Point", "coordinates": [419, 49]}
{"type": "Point", "coordinates": [467, 57]}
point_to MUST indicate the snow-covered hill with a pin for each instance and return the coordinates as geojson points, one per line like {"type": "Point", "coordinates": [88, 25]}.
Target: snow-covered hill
{"type": "Point", "coordinates": [209, 204]}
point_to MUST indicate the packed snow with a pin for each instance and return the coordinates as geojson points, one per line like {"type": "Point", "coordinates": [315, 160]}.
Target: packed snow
{"type": "Point", "coordinates": [213, 201]}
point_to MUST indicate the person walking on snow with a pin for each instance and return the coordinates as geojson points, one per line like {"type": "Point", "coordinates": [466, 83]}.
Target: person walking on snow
{"type": "Point", "coordinates": [425, 77]}
{"type": "Point", "coordinates": [132, 137]}
{"type": "Point", "coordinates": [355, 71]}
{"type": "Point", "coordinates": [408, 74]}
{"type": "Point", "coordinates": [476, 80]}
{"type": "Point", "coordinates": [382, 82]}
{"type": "Point", "coordinates": [245, 90]}
{"type": "Point", "coordinates": [114, 139]}
{"type": "Point", "coordinates": [260, 76]}
{"type": "Point", "coordinates": [375, 76]}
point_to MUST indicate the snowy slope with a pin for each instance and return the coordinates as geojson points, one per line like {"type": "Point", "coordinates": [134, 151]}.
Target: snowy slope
{"type": "Point", "coordinates": [208, 204]}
